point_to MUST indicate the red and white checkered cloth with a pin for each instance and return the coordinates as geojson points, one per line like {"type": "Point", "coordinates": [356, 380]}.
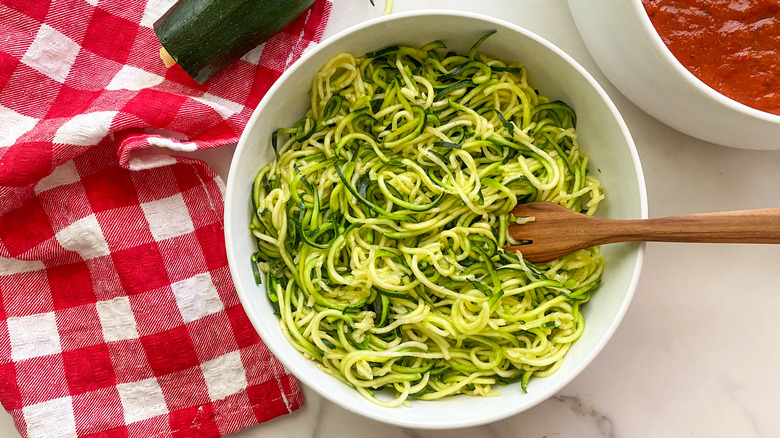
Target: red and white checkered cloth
{"type": "Point", "coordinates": [118, 317]}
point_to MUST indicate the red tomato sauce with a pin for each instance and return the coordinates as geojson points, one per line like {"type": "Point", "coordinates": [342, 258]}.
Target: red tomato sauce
{"type": "Point", "coordinates": [731, 45]}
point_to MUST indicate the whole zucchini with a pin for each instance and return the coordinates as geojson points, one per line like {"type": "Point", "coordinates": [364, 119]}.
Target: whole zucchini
{"type": "Point", "coordinates": [205, 36]}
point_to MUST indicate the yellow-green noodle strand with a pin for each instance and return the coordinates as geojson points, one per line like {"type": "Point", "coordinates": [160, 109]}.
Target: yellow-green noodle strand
{"type": "Point", "coordinates": [381, 222]}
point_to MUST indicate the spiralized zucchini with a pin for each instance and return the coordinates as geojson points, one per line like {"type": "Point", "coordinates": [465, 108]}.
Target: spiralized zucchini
{"type": "Point", "coordinates": [380, 225]}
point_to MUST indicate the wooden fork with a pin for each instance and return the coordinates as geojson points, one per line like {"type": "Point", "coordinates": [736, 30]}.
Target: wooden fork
{"type": "Point", "coordinates": [556, 231]}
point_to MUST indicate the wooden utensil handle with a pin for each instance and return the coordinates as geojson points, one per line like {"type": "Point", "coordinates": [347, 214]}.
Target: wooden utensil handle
{"type": "Point", "coordinates": [746, 226]}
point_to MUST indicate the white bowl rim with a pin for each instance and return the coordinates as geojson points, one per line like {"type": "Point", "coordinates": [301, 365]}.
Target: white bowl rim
{"type": "Point", "coordinates": [452, 423]}
{"type": "Point", "coordinates": [686, 74]}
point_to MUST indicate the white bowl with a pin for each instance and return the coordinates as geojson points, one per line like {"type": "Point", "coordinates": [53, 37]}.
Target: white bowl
{"type": "Point", "coordinates": [628, 50]}
{"type": "Point", "coordinates": [604, 137]}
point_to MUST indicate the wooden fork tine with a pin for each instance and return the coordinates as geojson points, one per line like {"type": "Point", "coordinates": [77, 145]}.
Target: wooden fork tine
{"type": "Point", "coordinates": [549, 246]}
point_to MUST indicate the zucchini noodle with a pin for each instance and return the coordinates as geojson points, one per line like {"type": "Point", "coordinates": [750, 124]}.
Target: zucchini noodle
{"type": "Point", "coordinates": [382, 220]}
{"type": "Point", "coordinates": [388, 6]}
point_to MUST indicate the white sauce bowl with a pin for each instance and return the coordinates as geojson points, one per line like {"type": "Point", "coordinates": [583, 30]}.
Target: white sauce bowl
{"type": "Point", "coordinates": [628, 50]}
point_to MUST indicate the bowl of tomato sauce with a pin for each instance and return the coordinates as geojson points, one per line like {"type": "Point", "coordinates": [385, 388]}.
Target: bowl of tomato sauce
{"type": "Point", "coordinates": [708, 68]}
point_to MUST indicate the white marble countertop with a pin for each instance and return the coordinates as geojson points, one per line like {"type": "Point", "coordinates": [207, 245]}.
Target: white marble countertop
{"type": "Point", "coordinates": [697, 353]}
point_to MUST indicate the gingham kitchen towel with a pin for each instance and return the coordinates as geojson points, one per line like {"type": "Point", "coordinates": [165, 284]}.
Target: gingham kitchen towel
{"type": "Point", "coordinates": [118, 317]}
